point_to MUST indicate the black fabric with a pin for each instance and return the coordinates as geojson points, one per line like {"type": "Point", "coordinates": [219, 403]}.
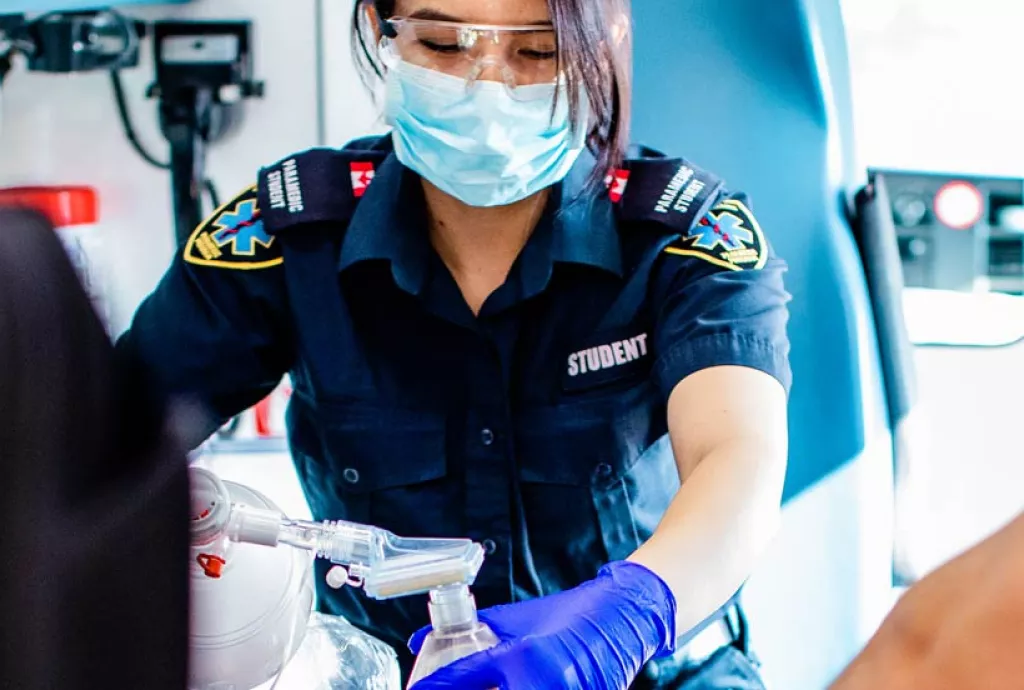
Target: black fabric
{"type": "Point", "coordinates": [94, 496]}
{"type": "Point", "coordinates": [414, 414]}
{"type": "Point", "coordinates": [667, 191]}
{"type": "Point", "coordinates": [316, 186]}
{"type": "Point", "coordinates": [883, 269]}
{"type": "Point", "coordinates": [411, 413]}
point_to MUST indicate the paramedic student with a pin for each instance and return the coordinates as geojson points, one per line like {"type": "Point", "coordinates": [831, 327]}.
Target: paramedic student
{"type": "Point", "coordinates": [486, 340]}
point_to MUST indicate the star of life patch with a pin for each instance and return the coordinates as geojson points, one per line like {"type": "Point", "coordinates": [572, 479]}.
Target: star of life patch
{"type": "Point", "coordinates": [729, 237]}
{"type": "Point", "coordinates": [234, 237]}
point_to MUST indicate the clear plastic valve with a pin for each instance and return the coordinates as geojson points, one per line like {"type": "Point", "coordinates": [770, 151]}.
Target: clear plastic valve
{"type": "Point", "coordinates": [388, 566]}
{"type": "Point", "coordinates": [384, 565]}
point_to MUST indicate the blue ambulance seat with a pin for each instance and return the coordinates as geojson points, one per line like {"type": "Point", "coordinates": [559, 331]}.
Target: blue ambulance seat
{"type": "Point", "coordinates": [759, 92]}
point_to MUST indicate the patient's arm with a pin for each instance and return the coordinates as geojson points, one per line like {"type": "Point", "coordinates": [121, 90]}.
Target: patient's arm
{"type": "Point", "coordinates": [960, 628]}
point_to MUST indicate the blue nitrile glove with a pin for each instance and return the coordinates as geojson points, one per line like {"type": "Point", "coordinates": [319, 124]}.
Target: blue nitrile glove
{"type": "Point", "coordinates": [597, 636]}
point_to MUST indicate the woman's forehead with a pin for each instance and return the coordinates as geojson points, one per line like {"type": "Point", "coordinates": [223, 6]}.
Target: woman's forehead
{"type": "Point", "coordinates": [501, 12]}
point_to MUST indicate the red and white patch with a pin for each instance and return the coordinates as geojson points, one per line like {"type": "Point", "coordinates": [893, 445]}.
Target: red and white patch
{"type": "Point", "coordinates": [616, 182]}
{"type": "Point", "coordinates": [362, 176]}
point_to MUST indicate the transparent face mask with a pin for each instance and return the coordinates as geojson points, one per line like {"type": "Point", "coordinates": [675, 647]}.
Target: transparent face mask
{"type": "Point", "coordinates": [518, 56]}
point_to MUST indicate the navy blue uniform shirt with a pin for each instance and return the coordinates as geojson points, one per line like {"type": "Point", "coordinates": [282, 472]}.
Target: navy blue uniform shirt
{"type": "Point", "coordinates": [537, 427]}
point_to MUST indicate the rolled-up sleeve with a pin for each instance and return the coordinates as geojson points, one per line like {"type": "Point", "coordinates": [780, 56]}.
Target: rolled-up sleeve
{"type": "Point", "coordinates": [708, 316]}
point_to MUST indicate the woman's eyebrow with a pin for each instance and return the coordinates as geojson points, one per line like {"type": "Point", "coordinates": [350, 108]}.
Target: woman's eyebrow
{"type": "Point", "coordinates": [439, 16]}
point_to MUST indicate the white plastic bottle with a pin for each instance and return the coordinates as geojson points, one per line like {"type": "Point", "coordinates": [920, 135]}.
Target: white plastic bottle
{"type": "Point", "coordinates": [457, 632]}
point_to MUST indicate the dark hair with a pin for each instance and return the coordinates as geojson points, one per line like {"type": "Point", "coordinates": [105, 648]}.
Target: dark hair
{"type": "Point", "coordinates": [594, 50]}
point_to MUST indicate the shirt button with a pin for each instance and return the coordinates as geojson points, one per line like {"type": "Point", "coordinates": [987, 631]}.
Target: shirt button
{"type": "Point", "coordinates": [603, 471]}
{"type": "Point", "coordinates": [351, 476]}
{"type": "Point", "coordinates": [487, 437]}
{"type": "Point", "coordinates": [490, 547]}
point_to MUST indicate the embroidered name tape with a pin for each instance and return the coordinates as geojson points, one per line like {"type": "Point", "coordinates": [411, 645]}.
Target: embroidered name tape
{"type": "Point", "coordinates": [234, 237]}
{"type": "Point", "coordinates": [284, 188]}
{"type": "Point", "coordinates": [316, 186]}
{"type": "Point", "coordinates": [669, 191]}
{"type": "Point", "coordinates": [608, 357]}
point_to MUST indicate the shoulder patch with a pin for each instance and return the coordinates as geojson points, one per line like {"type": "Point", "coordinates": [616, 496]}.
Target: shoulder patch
{"type": "Point", "coordinates": [234, 237]}
{"type": "Point", "coordinates": [729, 237]}
{"type": "Point", "coordinates": [671, 192]}
{"type": "Point", "coordinates": [316, 186]}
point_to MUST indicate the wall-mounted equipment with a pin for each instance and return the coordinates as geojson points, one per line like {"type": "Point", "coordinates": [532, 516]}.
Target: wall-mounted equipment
{"type": "Point", "coordinates": [204, 71]}
{"type": "Point", "coordinates": [66, 5]}
{"type": "Point", "coordinates": [959, 205]}
{"type": "Point", "coordinates": [959, 232]}
{"type": "Point", "coordinates": [65, 42]}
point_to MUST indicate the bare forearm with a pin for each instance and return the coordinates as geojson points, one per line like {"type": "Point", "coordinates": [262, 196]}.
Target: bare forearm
{"type": "Point", "coordinates": [719, 524]}
{"type": "Point", "coordinates": [961, 627]}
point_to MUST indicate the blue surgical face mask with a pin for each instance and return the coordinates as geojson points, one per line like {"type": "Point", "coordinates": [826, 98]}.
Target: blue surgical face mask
{"type": "Point", "coordinates": [481, 144]}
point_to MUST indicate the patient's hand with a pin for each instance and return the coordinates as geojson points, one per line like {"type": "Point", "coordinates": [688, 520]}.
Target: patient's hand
{"type": "Point", "coordinates": [960, 628]}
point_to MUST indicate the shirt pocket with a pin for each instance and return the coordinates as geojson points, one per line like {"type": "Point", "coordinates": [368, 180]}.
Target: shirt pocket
{"type": "Point", "coordinates": [387, 466]}
{"type": "Point", "coordinates": [596, 473]}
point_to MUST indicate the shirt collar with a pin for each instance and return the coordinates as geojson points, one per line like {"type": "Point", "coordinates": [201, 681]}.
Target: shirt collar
{"type": "Point", "coordinates": [584, 227]}
{"type": "Point", "coordinates": [578, 226]}
{"type": "Point", "coordinates": [390, 224]}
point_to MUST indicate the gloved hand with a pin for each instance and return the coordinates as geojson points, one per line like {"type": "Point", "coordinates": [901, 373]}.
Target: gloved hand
{"type": "Point", "coordinates": [597, 636]}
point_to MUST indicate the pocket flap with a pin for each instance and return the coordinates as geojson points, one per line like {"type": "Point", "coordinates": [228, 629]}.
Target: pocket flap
{"type": "Point", "coordinates": [370, 447]}
{"type": "Point", "coordinates": [588, 441]}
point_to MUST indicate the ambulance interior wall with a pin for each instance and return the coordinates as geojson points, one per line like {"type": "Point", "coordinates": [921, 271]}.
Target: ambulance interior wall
{"type": "Point", "coordinates": [64, 129]}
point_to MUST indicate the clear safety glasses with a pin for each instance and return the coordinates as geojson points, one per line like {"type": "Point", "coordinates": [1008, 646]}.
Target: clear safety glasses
{"type": "Point", "coordinates": [517, 55]}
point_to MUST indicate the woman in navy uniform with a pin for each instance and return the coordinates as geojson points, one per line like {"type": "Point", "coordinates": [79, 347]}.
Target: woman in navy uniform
{"type": "Point", "coordinates": [501, 325]}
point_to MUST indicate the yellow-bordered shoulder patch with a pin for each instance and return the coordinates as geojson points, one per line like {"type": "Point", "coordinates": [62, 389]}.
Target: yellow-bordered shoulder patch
{"type": "Point", "coordinates": [234, 237]}
{"type": "Point", "coordinates": [729, 237]}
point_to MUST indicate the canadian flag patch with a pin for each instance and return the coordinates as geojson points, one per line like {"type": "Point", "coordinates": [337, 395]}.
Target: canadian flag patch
{"type": "Point", "coordinates": [362, 176]}
{"type": "Point", "coordinates": [616, 182]}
